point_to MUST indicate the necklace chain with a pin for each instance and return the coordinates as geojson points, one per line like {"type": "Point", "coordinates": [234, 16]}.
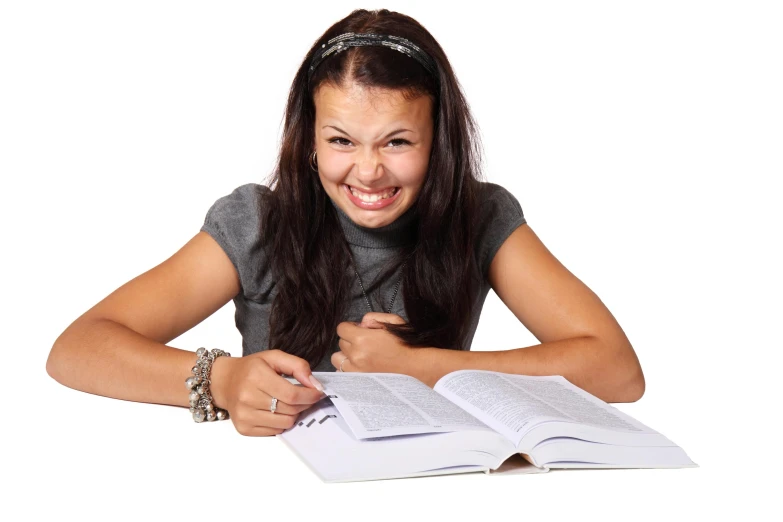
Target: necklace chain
{"type": "Point", "coordinates": [367, 299]}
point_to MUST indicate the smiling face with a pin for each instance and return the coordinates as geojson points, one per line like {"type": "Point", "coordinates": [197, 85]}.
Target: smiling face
{"type": "Point", "coordinates": [372, 150]}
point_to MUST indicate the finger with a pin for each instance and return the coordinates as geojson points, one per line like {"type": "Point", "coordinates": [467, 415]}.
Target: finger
{"type": "Point", "coordinates": [259, 431]}
{"type": "Point", "coordinates": [350, 364]}
{"type": "Point", "coordinates": [376, 319]}
{"type": "Point", "coordinates": [371, 323]}
{"type": "Point", "coordinates": [276, 386]}
{"type": "Point", "coordinates": [255, 420]}
{"type": "Point", "coordinates": [265, 419]}
{"type": "Point", "coordinates": [346, 348]}
{"type": "Point", "coordinates": [347, 330]}
{"type": "Point", "coordinates": [285, 363]}
{"type": "Point", "coordinates": [258, 399]}
{"type": "Point", "coordinates": [338, 358]}
{"type": "Point", "coordinates": [288, 364]}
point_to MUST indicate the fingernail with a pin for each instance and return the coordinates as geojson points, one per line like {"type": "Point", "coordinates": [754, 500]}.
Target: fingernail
{"type": "Point", "coordinates": [318, 385]}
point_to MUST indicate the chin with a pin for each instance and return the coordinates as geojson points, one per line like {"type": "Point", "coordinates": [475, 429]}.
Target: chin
{"type": "Point", "coordinates": [360, 217]}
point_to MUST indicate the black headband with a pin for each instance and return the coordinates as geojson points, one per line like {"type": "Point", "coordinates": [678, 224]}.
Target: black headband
{"type": "Point", "coordinates": [346, 40]}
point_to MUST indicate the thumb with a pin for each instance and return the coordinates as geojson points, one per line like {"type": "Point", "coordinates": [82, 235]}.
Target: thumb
{"type": "Point", "coordinates": [288, 364]}
{"type": "Point", "coordinates": [371, 323]}
{"type": "Point", "coordinates": [377, 319]}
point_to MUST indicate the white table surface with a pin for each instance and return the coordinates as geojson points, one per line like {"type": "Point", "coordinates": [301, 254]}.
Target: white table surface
{"type": "Point", "coordinates": [98, 458]}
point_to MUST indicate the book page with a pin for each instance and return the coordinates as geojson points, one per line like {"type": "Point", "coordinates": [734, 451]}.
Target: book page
{"type": "Point", "coordinates": [512, 404]}
{"type": "Point", "coordinates": [325, 443]}
{"type": "Point", "coordinates": [387, 404]}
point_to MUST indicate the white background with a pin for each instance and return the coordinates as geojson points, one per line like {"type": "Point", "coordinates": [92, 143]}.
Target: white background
{"type": "Point", "coordinates": [643, 141]}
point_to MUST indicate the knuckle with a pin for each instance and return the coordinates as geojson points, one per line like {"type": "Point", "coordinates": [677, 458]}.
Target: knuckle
{"type": "Point", "coordinates": [258, 368]}
{"type": "Point", "coordinates": [290, 394]}
{"type": "Point", "coordinates": [244, 396]}
{"type": "Point", "coordinates": [244, 415]}
{"type": "Point", "coordinates": [292, 397]}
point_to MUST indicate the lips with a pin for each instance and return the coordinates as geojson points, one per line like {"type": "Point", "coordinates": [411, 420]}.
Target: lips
{"type": "Point", "coordinates": [372, 205]}
{"type": "Point", "coordinates": [370, 193]}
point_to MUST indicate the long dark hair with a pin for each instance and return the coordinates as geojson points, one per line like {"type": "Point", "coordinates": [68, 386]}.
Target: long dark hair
{"type": "Point", "coordinates": [301, 228]}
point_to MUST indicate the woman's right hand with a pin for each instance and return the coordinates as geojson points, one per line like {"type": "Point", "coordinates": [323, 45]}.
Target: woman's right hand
{"type": "Point", "coordinates": [245, 386]}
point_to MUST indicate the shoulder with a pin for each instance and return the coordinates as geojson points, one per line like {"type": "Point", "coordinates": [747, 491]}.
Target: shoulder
{"type": "Point", "coordinates": [494, 198]}
{"type": "Point", "coordinates": [238, 214]}
{"type": "Point", "coordinates": [234, 221]}
{"type": "Point", "coordinates": [241, 204]}
{"type": "Point", "coordinates": [499, 214]}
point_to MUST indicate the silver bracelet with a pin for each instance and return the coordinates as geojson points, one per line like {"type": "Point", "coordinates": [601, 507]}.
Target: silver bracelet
{"type": "Point", "coordinates": [201, 405]}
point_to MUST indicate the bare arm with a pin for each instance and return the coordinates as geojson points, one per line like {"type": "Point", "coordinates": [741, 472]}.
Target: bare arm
{"type": "Point", "coordinates": [580, 338]}
{"type": "Point", "coordinates": [118, 347]}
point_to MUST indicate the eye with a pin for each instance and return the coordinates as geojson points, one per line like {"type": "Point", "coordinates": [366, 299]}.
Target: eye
{"type": "Point", "coordinates": [401, 141]}
{"type": "Point", "coordinates": [336, 140]}
{"type": "Point", "coordinates": [342, 142]}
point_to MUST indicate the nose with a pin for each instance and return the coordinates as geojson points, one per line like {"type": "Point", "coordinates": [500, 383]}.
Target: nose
{"type": "Point", "coordinates": [368, 167]}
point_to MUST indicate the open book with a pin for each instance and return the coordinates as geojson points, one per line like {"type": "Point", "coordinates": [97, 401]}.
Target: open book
{"type": "Point", "coordinates": [385, 425]}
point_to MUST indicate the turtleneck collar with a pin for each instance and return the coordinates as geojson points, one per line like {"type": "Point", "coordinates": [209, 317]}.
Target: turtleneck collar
{"type": "Point", "coordinates": [398, 233]}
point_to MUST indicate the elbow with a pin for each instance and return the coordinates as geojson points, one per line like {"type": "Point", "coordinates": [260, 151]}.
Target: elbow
{"type": "Point", "coordinates": [633, 385]}
{"type": "Point", "coordinates": [625, 390]}
{"type": "Point", "coordinates": [636, 388]}
{"type": "Point", "coordinates": [628, 384]}
{"type": "Point", "coordinates": [53, 362]}
{"type": "Point", "coordinates": [64, 356]}
{"type": "Point", "coordinates": [641, 384]}
{"type": "Point", "coordinates": [60, 359]}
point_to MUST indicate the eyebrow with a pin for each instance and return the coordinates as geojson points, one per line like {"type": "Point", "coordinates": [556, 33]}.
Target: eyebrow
{"type": "Point", "coordinates": [392, 133]}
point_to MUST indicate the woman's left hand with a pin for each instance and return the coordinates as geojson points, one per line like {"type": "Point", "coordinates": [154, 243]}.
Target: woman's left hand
{"type": "Point", "coordinates": [370, 348]}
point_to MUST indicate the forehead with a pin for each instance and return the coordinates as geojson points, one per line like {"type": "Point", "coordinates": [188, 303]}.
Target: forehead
{"type": "Point", "coordinates": [355, 101]}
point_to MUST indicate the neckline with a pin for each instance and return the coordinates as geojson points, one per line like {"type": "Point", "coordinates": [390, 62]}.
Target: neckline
{"type": "Point", "coordinates": [398, 233]}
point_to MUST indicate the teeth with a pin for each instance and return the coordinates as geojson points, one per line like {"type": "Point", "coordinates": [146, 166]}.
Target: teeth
{"type": "Point", "coordinates": [374, 197]}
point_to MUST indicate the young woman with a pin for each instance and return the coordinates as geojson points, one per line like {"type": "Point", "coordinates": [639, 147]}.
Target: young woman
{"type": "Point", "coordinates": [372, 249]}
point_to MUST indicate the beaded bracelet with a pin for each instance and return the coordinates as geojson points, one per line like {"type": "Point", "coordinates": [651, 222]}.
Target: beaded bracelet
{"type": "Point", "coordinates": [201, 405]}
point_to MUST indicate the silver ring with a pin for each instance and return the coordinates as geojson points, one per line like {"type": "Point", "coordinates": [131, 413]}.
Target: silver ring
{"type": "Point", "coordinates": [274, 405]}
{"type": "Point", "coordinates": [341, 364]}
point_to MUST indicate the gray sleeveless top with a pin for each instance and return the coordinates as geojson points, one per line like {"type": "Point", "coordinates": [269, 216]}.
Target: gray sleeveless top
{"type": "Point", "coordinates": [234, 222]}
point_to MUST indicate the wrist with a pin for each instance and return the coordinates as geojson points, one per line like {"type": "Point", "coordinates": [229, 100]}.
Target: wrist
{"type": "Point", "coordinates": [220, 379]}
{"type": "Point", "coordinates": [417, 366]}
{"type": "Point", "coordinates": [202, 402]}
